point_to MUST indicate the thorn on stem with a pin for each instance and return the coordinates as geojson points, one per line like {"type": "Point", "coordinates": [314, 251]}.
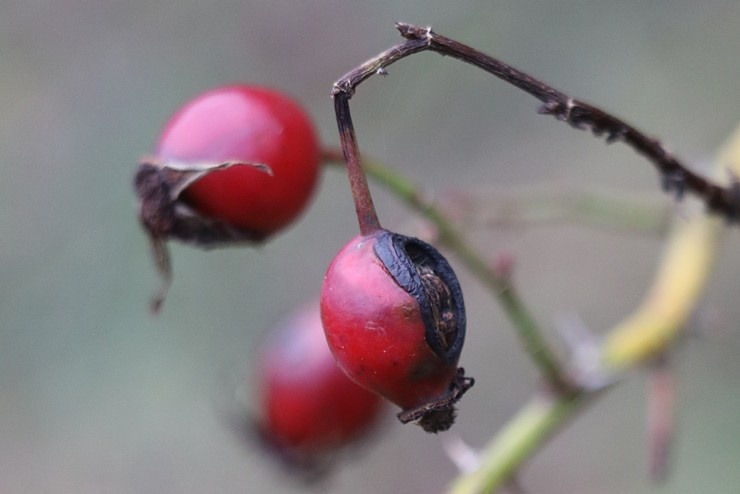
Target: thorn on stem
{"type": "Point", "coordinates": [464, 456]}
{"type": "Point", "coordinates": [549, 108]}
{"type": "Point", "coordinates": [732, 216]}
{"type": "Point", "coordinates": [674, 183]}
{"type": "Point", "coordinates": [661, 412]}
{"type": "Point", "coordinates": [614, 135]}
{"type": "Point", "coordinates": [503, 266]}
{"type": "Point", "coordinates": [587, 372]}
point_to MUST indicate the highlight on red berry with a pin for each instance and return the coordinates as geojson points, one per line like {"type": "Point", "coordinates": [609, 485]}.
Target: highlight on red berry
{"type": "Point", "coordinates": [246, 124]}
{"type": "Point", "coordinates": [308, 409]}
{"type": "Point", "coordinates": [236, 164]}
{"type": "Point", "coordinates": [394, 318]}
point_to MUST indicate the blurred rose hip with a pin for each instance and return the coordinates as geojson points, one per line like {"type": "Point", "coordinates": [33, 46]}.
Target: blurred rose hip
{"type": "Point", "coordinates": [249, 124]}
{"type": "Point", "coordinates": [308, 408]}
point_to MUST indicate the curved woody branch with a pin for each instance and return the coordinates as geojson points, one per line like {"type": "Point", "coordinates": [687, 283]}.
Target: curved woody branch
{"type": "Point", "coordinates": [676, 178]}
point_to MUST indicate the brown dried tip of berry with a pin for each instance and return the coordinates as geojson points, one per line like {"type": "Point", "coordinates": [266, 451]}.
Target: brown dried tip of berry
{"type": "Point", "coordinates": [439, 414]}
{"type": "Point", "coordinates": [159, 186]}
{"type": "Point", "coordinates": [162, 214]}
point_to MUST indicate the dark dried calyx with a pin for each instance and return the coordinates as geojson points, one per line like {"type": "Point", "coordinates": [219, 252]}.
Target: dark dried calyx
{"type": "Point", "coordinates": [159, 186]}
{"type": "Point", "coordinates": [425, 274]}
{"type": "Point", "coordinates": [164, 216]}
{"type": "Point", "coordinates": [438, 415]}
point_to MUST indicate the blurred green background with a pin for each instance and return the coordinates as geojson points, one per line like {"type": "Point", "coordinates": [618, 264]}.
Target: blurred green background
{"type": "Point", "coordinates": [96, 396]}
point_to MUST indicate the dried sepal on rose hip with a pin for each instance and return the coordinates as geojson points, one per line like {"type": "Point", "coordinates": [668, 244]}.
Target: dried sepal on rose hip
{"type": "Point", "coordinates": [235, 165]}
{"type": "Point", "coordinates": [163, 212]}
{"type": "Point", "coordinates": [308, 410]}
{"type": "Point", "coordinates": [394, 318]}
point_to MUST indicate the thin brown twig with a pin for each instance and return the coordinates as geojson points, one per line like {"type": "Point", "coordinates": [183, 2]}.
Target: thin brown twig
{"type": "Point", "coordinates": [676, 177]}
{"type": "Point", "coordinates": [366, 215]}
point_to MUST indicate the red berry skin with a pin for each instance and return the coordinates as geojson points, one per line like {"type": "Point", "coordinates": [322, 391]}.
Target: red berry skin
{"type": "Point", "coordinates": [308, 406]}
{"type": "Point", "coordinates": [253, 125]}
{"type": "Point", "coordinates": [375, 329]}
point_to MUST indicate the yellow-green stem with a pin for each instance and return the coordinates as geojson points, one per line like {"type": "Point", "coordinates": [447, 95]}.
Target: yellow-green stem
{"type": "Point", "coordinates": [516, 442]}
{"type": "Point", "coordinates": [642, 336]}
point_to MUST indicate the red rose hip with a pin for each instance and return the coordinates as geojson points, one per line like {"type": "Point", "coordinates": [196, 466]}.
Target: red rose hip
{"type": "Point", "coordinates": [392, 308]}
{"type": "Point", "coordinates": [236, 164]}
{"type": "Point", "coordinates": [394, 318]}
{"type": "Point", "coordinates": [253, 125]}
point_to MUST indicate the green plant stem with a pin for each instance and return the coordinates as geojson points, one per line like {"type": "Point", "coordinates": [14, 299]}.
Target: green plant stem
{"type": "Point", "coordinates": [516, 442]}
{"type": "Point", "coordinates": [533, 206]}
{"type": "Point", "coordinates": [450, 238]}
{"type": "Point", "coordinates": [639, 338]}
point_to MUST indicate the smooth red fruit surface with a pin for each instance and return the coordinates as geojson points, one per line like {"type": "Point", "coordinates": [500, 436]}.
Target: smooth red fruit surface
{"type": "Point", "coordinates": [246, 124]}
{"type": "Point", "coordinates": [375, 329]}
{"type": "Point", "coordinates": [308, 406]}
